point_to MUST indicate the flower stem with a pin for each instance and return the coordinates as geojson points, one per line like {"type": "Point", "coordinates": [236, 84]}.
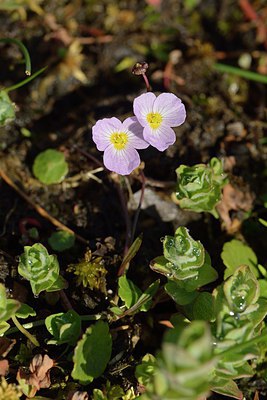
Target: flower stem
{"type": "Point", "coordinates": [148, 87]}
{"type": "Point", "coordinates": [27, 59]}
{"type": "Point", "coordinates": [27, 80]}
{"type": "Point", "coordinates": [25, 332]}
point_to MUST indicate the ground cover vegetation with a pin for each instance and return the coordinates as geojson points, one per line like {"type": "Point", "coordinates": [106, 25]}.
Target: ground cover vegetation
{"type": "Point", "coordinates": [133, 208]}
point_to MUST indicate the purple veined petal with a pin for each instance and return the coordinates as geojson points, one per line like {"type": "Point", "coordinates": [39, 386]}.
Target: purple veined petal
{"type": "Point", "coordinates": [103, 129]}
{"type": "Point", "coordinates": [142, 106]}
{"type": "Point", "coordinates": [161, 138]}
{"type": "Point", "coordinates": [135, 133]}
{"type": "Point", "coordinates": [121, 161]}
{"type": "Point", "coordinates": [171, 108]}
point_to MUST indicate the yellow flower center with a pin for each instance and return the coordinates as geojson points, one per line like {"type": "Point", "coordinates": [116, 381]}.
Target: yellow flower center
{"type": "Point", "coordinates": [119, 140]}
{"type": "Point", "coordinates": [154, 120]}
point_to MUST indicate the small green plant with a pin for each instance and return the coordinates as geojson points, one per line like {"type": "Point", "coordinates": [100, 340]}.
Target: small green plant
{"type": "Point", "coordinates": [50, 167]}
{"type": "Point", "coordinates": [61, 240]}
{"type": "Point", "coordinates": [186, 264]}
{"type": "Point", "coordinates": [90, 272]}
{"type": "Point", "coordinates": [40, 269]}
{"type": "Point", "coordinates": [199, 187]}
{"type": "Point", "coordinates": [184, 369]}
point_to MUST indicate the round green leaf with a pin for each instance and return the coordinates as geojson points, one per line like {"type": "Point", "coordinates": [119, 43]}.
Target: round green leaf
{"type": "Point", "coordinates": [50, 167]}
{"type": "Point", "coordinates": [61, 240]}
{"type": "Point", "coordinates": [65, 327]}
{"type": "Point", "coordinates": [92, 353]}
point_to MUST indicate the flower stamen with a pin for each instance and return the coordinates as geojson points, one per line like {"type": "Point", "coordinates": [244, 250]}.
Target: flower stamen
{"type": "Point", "coordinates": [119, 140]}
{"type": "Point", "coordinates": [154, 120]}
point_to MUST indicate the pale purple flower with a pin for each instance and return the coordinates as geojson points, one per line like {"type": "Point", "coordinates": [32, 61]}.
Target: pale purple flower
{"type": "Point", "coordinates": [158, 115]}
{"type": "Point", "coordinates": [119, 141]}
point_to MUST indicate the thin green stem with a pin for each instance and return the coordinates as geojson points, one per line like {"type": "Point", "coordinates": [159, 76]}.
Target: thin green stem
{"type": "Point", "coordinates": [23, 49]}
{"type": "Point", "coordinates": [250, 75]}
{"type": "Point", "coordinates": [241, 346]}
{"type": "Point", "coordinates": [41, 322]}
{"type": "Point", "coordinates": [25, 332]}
{"type": "Point", "coordinates": [22, 83]}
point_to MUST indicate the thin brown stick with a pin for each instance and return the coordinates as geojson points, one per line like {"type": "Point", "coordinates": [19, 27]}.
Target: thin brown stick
{"type": "Point", "coordinates": [38, 208]}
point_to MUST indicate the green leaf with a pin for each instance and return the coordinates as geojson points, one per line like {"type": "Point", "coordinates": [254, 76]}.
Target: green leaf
{"type": "Point", "coordinates": [227, 387]}
{"type": "Point", "coordinates": [4, 326]}
{"type": "Point", "coordinates": [199, 187]}
{"type": "Point", "coordinates": [263, 287]}
{"type": "Point", "coordinates": [7, 108]}
{"type": "Point", "coordinates": [131, 253]}
{"type": "Point", "coordinates": [116, 310]}
{"type": "Point", "coordinates": [25, 311]}
{"type": "Point", "coordinates": [8, 307]}
{"type": "Point", "coordinates": [61, 240]}
{"type": "Point", "coordinates": [41, 269]}
{"type": "Point", "coordinates": [263, 222]}
{"type": "Point", "coordinates": [148, 295]}
{"type": "Point", "coordinates": [92, 353]}
{"type": "Point", "coordinates": [50, 167]}
{"type": "Point", "coordinates": [65, 327]}
{"type": "Point", "coordinates": [236, 253]}
{"type": "Point", "coordinates": [145, 371]}
{"type": "Point", "coordinates": [128, 291]}
{"type": "Point", "coordinates": [179, 294]}
{"type": "Point", "coordinates": [202, 307]}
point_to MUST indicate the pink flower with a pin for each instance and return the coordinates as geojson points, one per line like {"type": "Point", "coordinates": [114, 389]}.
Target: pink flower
{"type": "Point", "coordinates": [119, 141]}
{"type": "Point", "coordinates": [158, 115]}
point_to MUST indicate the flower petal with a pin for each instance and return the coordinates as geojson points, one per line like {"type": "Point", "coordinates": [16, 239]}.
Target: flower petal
{"type": "Point", "coordinates": [121, 161]}
{"type": "Point", "coordinates": [102, 131]}
{"type": "Point", "coordinates": [142, 106]}
{"type": "Point", "coordinates": [160, 138]}
{"type": "Point", "coordinates": [135, 133]}
{"type": "Point", "coordinates": [171, 108]}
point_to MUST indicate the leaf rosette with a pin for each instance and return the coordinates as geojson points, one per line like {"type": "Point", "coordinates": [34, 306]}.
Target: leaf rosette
{"type": "Point", "coordinates": [185, 367]}
{"type": "Point", "coordinates": [242, 291]}
{"type": "Point", "coordinates": [199, 187]}
{"type": "Point", "coordinates": [184, 261]}
{"type": "Point", "coordinates": [41, 269]}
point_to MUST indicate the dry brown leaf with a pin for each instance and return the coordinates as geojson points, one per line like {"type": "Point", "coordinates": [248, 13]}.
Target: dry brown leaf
{"type": "Point", "coordinates": [234, 199]}
{"type": "Point", "coordinates": [256, 397]}
{"type": "Point", "coordinates": [78, 396]}
{"type": "Point", "coordinates": [4, 366]}
{"type": "Point", "coordinates": [166, 323]}
{"type": "Point", "coordinates": [40, 369]}
{"type": "Point", "coordinates": [39, 375]}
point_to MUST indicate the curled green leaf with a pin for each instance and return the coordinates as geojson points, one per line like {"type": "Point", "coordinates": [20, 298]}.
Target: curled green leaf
{"type": "Point", "coordinates": [242, 290]}
{"type": "Point", "coordinates": [185, 260]}
{"type": "Point", "coordinates": [199, 187]}
{"type": "Point", "coordinates": [41, 269]}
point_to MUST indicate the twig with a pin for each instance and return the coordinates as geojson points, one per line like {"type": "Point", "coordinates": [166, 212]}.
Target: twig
{"type": "Point", "coordinates": [40, 209]}
{"type": "Point", "coordinates": [65, 301]}
{"type": "Point", "coordinates": [251, 14]}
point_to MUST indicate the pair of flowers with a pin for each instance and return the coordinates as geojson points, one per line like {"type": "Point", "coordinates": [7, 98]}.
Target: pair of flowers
{"type": "Point", "coordinates": [151, 125]}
